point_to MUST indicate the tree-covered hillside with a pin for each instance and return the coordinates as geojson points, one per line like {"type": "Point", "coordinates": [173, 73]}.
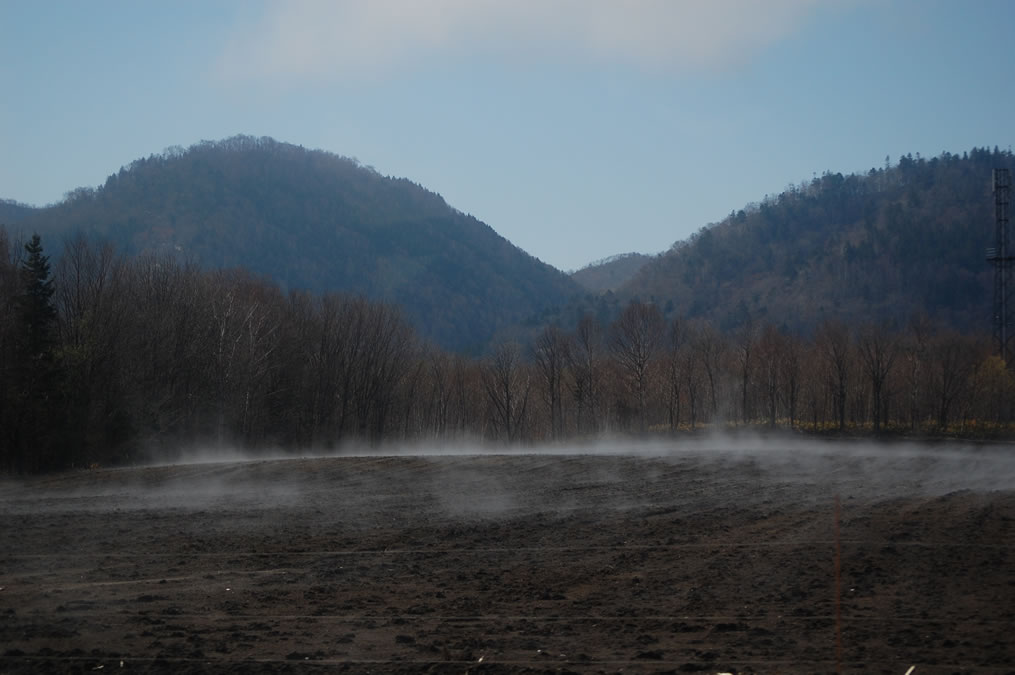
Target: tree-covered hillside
{"type": "Point", "coordinates": [313, 220]}
{"type": "Point", "coordinates": [12, 212]}
{"type": "Point", "coordinates": [907, 238]}
{"type": "Point", "coordinates": [610, 273]}
{"type": "Point", "coordinates": [850, 304]}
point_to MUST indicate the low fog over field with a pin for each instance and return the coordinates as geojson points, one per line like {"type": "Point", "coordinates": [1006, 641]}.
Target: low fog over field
{"type": "Point", "coordinates": [715, 555]}
{"type": "Point", "coordinates": [471, 478]}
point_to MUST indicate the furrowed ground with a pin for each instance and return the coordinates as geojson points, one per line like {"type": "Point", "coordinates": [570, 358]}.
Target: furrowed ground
{"type": "Point", "coordinates": [663, 558]}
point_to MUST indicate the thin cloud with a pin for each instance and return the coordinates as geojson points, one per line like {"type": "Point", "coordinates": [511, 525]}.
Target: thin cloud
{"type": "Point", "coordinates": [339, 39]}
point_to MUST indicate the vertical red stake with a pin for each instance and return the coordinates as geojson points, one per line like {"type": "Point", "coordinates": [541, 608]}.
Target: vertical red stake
{"type": "Point", "coordinates": [838, 590]}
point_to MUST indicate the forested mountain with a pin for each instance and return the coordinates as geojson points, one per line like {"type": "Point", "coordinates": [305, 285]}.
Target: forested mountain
{"type": "Point", "coordinates": [12, 212]}
{"type": "Point", "coordinates": [903, 239]}
{"type": "Point", "coordinates": [850, 304]}
{"type": "Point", "coordinates": [610, 273]}
{"type": "Point", "coordinates": [313, 220]}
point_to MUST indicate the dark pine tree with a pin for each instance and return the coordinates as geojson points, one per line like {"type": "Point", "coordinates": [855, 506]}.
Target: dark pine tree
{"type": "Point", "coordinates": [37, 311]}
{"type": "Point", "coordinates": [39, 423]}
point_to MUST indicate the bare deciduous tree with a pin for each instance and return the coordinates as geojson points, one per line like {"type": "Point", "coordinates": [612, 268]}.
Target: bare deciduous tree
{"type": "Point", "coordinates": [10, 260]}
{"type": "Point", "coordinates": [833, 345]}
{"type": "Point", "coordinates": [878, 347]}
{"type": "Point", "coordinates": [710, 347]}
{"type": "Point", "coordinates": [551, 353]}
{"type": "Point", "coordinates": [791, 358]}
{"type": "Point", "coordinates": [507, 387]}
{"type": "Point", "coordinates": [771, 346]}
{"type": "Point", "coordinates": [913, 354]}
{"type": "Point", "coordinates": [745, 341]}
{"type": "Point", "coordinates": [91, 294]}
{"type": "Point", "coordinates": [675, 347]}
{"type": "Point", "coordinates": [635, 338]}
{"type": "Point", "coordinates": [584, 360]}
{"type": "Point", "coordinates": [953, 360]}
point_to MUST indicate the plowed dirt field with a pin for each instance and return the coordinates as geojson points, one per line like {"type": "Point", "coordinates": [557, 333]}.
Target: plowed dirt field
{"type": "Point", "coordinates": [691, 557]}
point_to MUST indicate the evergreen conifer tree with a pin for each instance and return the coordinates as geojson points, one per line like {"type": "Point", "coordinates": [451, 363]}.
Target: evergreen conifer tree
{"type": "Point", "coordinates": [39, 422]}
{"type": "Point", "coordinates": [37, 311]}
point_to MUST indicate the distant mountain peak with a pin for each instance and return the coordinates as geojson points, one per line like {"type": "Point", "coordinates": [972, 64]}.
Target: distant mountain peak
{"type": "Point", "coordinates": [610, 273]}
{"type": "Point", "coordinates": [315, 220]}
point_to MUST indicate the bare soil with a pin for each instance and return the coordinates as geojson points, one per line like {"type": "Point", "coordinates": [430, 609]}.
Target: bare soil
{"type": "Point", "coordinates": [677, 559]}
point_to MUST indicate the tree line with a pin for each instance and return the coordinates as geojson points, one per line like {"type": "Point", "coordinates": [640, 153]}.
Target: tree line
{"type": "Point", "coordinates": [106, 359]}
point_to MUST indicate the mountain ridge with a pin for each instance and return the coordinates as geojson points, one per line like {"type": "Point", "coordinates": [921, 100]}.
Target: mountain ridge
{"type": "Point", "coordinates": [317, 221]}
{"type": "Point", "coordinates": [611, 272]}
{"type": "Point", "coordinates": [884, 245]}
{"type": "Point", "coordinates": [880, 246]}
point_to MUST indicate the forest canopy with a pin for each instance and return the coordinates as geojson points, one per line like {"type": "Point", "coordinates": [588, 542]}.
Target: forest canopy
{"type": "Point", "coordinates": [110, 359]}
{"type": "Point", "coordinates": [847, 304]}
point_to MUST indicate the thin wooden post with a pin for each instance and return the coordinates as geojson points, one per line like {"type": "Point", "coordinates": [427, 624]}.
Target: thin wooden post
{"type": "Point", "coordinates": [838, 589]}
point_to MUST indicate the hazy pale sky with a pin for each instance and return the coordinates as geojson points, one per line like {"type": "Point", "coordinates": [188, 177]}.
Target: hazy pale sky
{"type": "Point", "coordinates": [575, 128]}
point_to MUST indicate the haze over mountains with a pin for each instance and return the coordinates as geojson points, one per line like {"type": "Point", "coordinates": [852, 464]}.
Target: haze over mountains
{"type": "Point", "coordinates": [316, 221]}
{"type": "Point", "coordinates": [904, 239]}
{"type": "Point", "coordinates": [901, 239]}
{"type": "Point", "coordinates": [610, 273]}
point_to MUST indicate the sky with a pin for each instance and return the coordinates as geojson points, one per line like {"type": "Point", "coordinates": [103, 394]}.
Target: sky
{"type": "Point", "coordinates": [577, 129]}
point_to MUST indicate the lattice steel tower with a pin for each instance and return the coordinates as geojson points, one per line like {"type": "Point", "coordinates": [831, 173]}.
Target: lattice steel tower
{"type": "Point", "coordinates": [1001, 257]}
